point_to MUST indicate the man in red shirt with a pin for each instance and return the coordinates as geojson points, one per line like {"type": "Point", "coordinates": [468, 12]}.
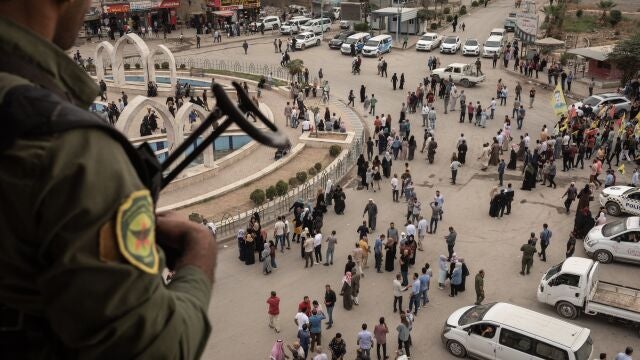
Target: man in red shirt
{"type": "Point", "coordinates": [274, 311]}
{"type": "Point", "coordinates": [305, 306]}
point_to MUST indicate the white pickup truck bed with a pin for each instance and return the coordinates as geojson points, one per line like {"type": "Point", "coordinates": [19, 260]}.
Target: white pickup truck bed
{"type": "Point", "coordinates": [616, 300]}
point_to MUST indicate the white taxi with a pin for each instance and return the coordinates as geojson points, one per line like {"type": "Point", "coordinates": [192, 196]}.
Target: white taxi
{"type": "Point", "coordinates": [617, 240]}
{"type": "Point", "coordinates": [306, 39]}
{"type": "Point", "coordinates": [621, 199]}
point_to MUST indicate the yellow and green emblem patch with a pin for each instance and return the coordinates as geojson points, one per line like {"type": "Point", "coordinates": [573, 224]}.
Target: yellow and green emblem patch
{"type": "Point", "coordinates": [136, 231]}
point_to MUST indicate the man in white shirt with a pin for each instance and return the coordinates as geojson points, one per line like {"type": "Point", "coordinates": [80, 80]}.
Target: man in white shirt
{"type": "Point", "coordinates": [317, 247]}
{"type": "Point", "coordinates": [440, 200]}
{"type": "Point", "coordinates": [423, 226]}
{"type": "Point", "coordinates": [300, 319]}
{"type": "Point", "coordinates": [395, 190]}
{"type": "Point", "coordinates": [411, 230]}
{"type": "Point", "coordinates": [306, 125]}
{"type": "Point", "coordinates": [493, 108]}
{"type": "Point", "coordinates": [432, 118]}
{"type": "Point", "coordinates": [425, 113]}
{"type": "Point", "coordinates": [397, 293]}
{"type": "Point", "coordinates": [319, 354]}
{"type": "Point", "coordinates": [526, 139]}
{"type": "Point", "coordinates": [460, 140]}
{"type": "Point", "coordinates": [635, 178]}
{"type": "Point", "coordinates": [626, 355]}
{"type": "Point", "coordinates": [278, 233]}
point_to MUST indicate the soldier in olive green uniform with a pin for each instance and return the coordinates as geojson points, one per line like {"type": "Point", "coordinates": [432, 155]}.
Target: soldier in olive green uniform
{"type": "Point", "coordinates": [479, 287]}
{"type": "Point", "coordinates": [528, 250]}
{"type": "Point", "coordinates": [80, 269]}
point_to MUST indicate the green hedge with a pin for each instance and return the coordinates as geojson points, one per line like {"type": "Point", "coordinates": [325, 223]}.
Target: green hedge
{"type": "Point", "coordinates": [301, 176]}
{"type": "Point", "coordinates": [335, 150]}
{"type": "Point", "coordinates": [258, 196]}
{"type": "Point", "coordinates": [463, 10]}
{"type": "Point", "coordinates": [312, 171]}
{"type": "Point", "coordinates": [271, 192]}
{"type": "Point", "coordinates": [165, 65]}
{"type": "Point", "coordinates": [446, 10]}
{"type": "Point", "coordinates": [474, 3]}
{"type": "Point", "coordinates": [281, 188]}
{"type": "Point", "coordinates": [293, 181]}
{"type": "Point", "coordinates": [318, 166]}
{"type": "Point", "coordinates": [363, 27]}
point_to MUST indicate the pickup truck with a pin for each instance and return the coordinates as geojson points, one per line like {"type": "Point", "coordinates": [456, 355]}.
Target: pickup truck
{"type": "Point", "coordinates": [574, 287]}
{"type": "Point", "coordinates": [464, 74]}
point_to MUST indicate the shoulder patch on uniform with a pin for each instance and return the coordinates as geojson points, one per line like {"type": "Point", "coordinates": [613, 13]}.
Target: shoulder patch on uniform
{"type": "Point", "coordinates": [136, 231]}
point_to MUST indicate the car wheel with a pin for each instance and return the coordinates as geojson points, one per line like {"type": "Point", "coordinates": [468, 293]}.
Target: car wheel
{"type": "Point", "coordinates": [603, 256]}
{"type": "Point", "coordinates": [566, 310]}
{"type": "Point", "coordinates": [613, 208]}
{"type": "Point", "coordinates": [456, 349]}
{"type": "Point", "coordinates": [466, 83]}
{"type": "Point", "coordinates": [302, 47]}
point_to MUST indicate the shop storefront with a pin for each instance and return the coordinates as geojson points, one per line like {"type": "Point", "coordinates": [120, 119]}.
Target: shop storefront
{"type": "Point", "coordinates": [92, 21]}
{"type": "Point", "coordinates": [233, 10]}
{"type": "Point", "coordinates": [115, 17]}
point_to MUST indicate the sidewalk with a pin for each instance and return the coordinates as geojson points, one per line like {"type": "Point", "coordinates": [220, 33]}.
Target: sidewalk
{"type": "Point", "coordinates": [579, 90]}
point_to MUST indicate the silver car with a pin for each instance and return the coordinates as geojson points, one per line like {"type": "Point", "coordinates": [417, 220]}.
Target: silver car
{"type": "Point", "coordinates": [623, 105]}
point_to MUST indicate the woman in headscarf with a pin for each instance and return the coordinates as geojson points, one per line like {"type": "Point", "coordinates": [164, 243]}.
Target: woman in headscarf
{"type": "Point", "coordinates": [272, 253]}
{"type": "Point", "coordinates": [376, 178]}
{"type": "Point", "coordinates": [513, 158]}
{"type": "Point", "coordinates": [465, 273]}
{"type": "Point", "coordinates": [338, 199]}
{"type": "Point", "coordinates": [266, 259]}
{"type": "Point", "coordinates": [404, 149]}
{"type": "Point", "coordinates": [386, 164]}
{"type": "Point", "coordinates": [456, 279]}
{"type": "Point", "coordinates": [328, 192]}
{"type": "Point", "coordinates": [521, 149]}
{"type": "Point", "coordinates": [494, 158]}
{"type": "Point", "coordinates": [494, 203]}
{"type": "Point", "coordinates": [529, 181]}
{"type": "Point", "coordinates": [584, 197]}
{"type": "Point", "coordinates": [583, 222]}
{"type": "Point", "coordinates": [484, 156]}
{"type": "Point", "coordinates": [250, 255]}
{"type": "Point", "coordinates": [277, 351]}
{"type": "Point", "coordinates": [442, 271]}
{"type": "Point", "coordinates": [346, 293]}
{"type": "Point", "coordinates": [241, 245]}
{"type": "Point", "coordinates": [412, 147]}
{"type": "Point", "coordinates": [390, 255]}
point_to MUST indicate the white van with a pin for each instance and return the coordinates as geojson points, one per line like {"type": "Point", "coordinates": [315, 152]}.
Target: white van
{"type": "Point", "coordinates": [494, 45]}
{"type": "Point", "coordinates": [498, 32]}
{"type": "Point", "coordinates": [509, 332]}
{"type": "Point", "coordinates": [358, 40]}
{"type": "Point", "coordinates": [317, 25]}
{"type": "Point", "coordinates": [377, 45]}
{"type": "Point", "coordinates": [293, 26]}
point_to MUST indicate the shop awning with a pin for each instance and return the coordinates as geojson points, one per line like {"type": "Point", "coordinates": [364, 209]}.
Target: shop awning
{"type": "Point", "coordinates": [223, 13]}
{"type": "Point", "coordinates": [116, 8]}
{"type": "Point", "coordinates": [168, 4]}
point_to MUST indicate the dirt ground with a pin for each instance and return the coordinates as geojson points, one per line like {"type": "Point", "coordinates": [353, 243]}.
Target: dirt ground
{"type": "Point", "coordinates": [238, 201]}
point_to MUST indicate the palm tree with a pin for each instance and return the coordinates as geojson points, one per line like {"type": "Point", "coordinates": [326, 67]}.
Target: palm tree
{"type": "Point", "coordinates": [295, 67]}
{"type": "Point", "coordinates": [606, 6]}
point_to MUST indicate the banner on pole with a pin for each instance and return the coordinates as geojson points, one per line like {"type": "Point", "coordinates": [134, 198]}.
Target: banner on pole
{"type": "Point", "coordinates": [558, 102]}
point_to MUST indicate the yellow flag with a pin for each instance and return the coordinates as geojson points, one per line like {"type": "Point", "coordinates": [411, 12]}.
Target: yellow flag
{"type": "Point", "coordinates": [558, 102]}
{"type": "Point", "coordinates": [603, 109]}
{"type": "Point", "coordinates": [621, 169]}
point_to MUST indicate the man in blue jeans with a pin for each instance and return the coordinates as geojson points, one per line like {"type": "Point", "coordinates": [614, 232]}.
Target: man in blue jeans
{"type": "Point", "coordinates": [315, 323]}
{"type": "Point", "coordinates": [365, 341]}
{"type": "Point", "coordinates": [415, 294]}
{"type": "Point", "coordinates": [329, 302]}
{"type": "Point", "coordinates": [424, 285]}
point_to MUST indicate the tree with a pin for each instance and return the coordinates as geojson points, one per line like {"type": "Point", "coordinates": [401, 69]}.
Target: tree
{"type": "Point", "coordinates": [295, 67]}
{"type": "Point", "coordinates": [626, 57]}
{"type": "Point", "coordinates": [605, 6]}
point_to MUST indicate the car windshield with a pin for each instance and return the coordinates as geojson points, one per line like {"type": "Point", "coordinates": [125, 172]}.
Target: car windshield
{"type": "Point", "coordinates": [450, 40]}
{"type": "Point", "coordinates": [554, 270]}
{"type": "Point", "coordinates": [300, 37]}
{"type": "Point", "coordinates": [351, 41]}
{"type": "Point", "coordinates": [614, 227]}
{"type": "Point", "coordinates": [471, 43]}
{"type": "Point", "coordinates": [492, 44]}
{"type": "Point", "coordinates": [428, 37]}
{"type": "Point", "coordinates": [591, 101]}
{"type": "Point", "coordinates": [339, 36]}
{"type": "Point", "coordinates": [585, 350]}
{"type": "Point", "coordinates": [474, 314]}
{"type": "Point", "coordinates": [373, 43]}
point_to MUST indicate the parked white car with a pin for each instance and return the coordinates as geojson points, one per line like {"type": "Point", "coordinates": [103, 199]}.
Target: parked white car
{"type": "Point", "coordinates": [509, 332]}
{"type": "Point", "coordinates": [621, 199]}
{"type": "Point", "coordinates": [616, 240]}
{"type": "Point", "coordinates": [464, 74]}
{"type": "Point", "coordinates": [450, 44]}
{"type": "Point", "coordinates": [471, 47]}
{"type": "Point", "coordinates": [428, 41]}
{"type": "Point", "coordinates": [307, 39]}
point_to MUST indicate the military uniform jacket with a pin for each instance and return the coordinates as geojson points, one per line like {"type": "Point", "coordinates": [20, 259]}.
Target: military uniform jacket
{"type": "Point", "coordinates": [78, 236]}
